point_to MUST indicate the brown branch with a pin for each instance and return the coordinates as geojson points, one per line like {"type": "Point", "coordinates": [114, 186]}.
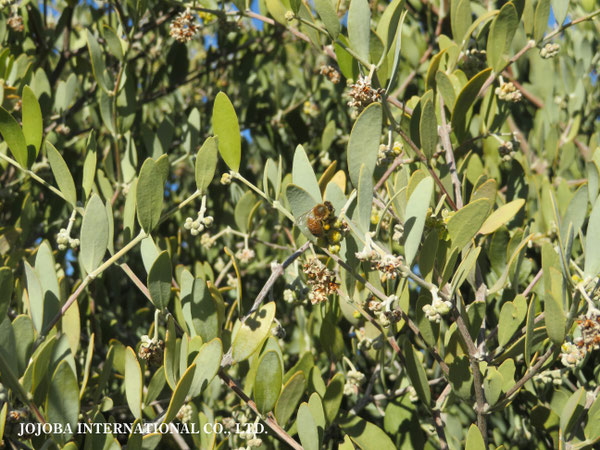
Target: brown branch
{"type": "Point", "coordinates": [280, 433]}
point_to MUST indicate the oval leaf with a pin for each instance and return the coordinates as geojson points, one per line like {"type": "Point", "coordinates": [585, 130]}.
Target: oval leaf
{"type": "Point", "coordinates": [303, 174]}
{"type": "Point", "coordinates": [14, 138]}
{"type": "Point", "coordinates": [206, 163]}
{"type": "Point", "coordinates": [252, 333]}
{"type": "Point", "coordinates": [416, 213]}
{"type": "Point", "coordinates": [501, 216]}
{"type": "Point", "coordinates": [133, 383]}
{"type": "Point", "coordinates": [180, 393]}
{"type": "Point", "coordinates": [62, 401]}
{"type": "Point", "coordinates": [267, 384]}
{"type": "Point", "coordinates": [363, 145]}
{"type": "Point", "coordinates": [307, 429]}
{"type": "Point", "coordinates": [428, 129]}
{"type": "Point", "coordinates": [94, 234]}
{"type": "Point", "coordinates": [463, 225]}
{"type": "Point", "coordinates": [149, 195]}
{"type": "Point", "coordinates": [207, 361]}
{"type": "Point", "coordinates": [290, 396]}
{"type": "Point", "coordinates": [61, 173]}
{"type": "Point", "coordinates": [32, 119]}
{"type": "Point", "coordinates": [159, 281]}
{"type": "Point", "coordinates": [227, 129]}
{"type": "Point", "coordinates": [359, 27]}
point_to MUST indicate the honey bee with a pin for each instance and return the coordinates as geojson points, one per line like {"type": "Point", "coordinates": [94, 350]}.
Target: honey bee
{"type": "Point", "coordinates": [316, 219]}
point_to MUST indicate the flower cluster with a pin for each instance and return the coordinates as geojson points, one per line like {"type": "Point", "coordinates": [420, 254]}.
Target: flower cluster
{"type": "Point", "coordinates": [389, 266]}
{"type": "Point", "coordinates": [15, 22]}
{"type": "Point", "coordinates": [386, 154]}
{"type": "Point", "coordinates": [245, 255]}
{"type": "Point", "coordinates": [572, 355]}
{"type": "Point", "coordinates": [508, 92]}
{"type": "Point", "coordinates": [226, 179]}
{"type": "Point", "coordinates": [64, 240]}
{"type": "Point", "coordinates": [206, 17]}
{"type": "Point", "coordinates": [398, 232]}
{"type": "Point", "coordinates": [549, 50]}
{"type": "Point", "coordinates": [185, 413]}
{"type": "Point", "coordinates": [506, 151]}
{"type": "Point", "coordinates": [363, 94]}
{"type": "Point", "coordinates": [437, 309]}
{"type": "Point", "coordinates": [200, 224]}
{"type": "Point", "coordinates": [321, 280]}
{"type": "Point", "coordinates": [151, 350]}
{"type": "Point", "coordinates": [589, 326]}
{"type": "Point", "coordinates": [184, 27]}
{"type": "Point", "coordinates": [310, 109]}
{"type": "Point", "coordinates": [549, 376]}
{"type": "Point", "coordinates": [474, 62]}
{"type": "Point", "coordinates": [331, 73]}
{"type": "Point", "coordinates": [355, 379]}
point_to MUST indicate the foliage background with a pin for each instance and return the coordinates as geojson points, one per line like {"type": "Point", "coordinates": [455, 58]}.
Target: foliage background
{"type": "Point", "coordinates": [103, 118]}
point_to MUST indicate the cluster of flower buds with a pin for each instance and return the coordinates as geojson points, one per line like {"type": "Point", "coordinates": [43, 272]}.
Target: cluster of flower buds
{"type": "Point", "coordinates": [185, 413]}
{"type": "Point", "coordinates": [549, 50]}
{"type": "Point", "coordinates": [151, 350]}
{"type": "Point", "coordinates": [389, 266]}
{"type": "Point", "coordinates": [362, 94]}
{"type": "Point", "coordinates": [572, 355]}
{"type": "Point", "coordinates": [226, 179]}
{"type": "Point", "coordinates": [15, 22]}
{"type": "Point", "coordinates": [398, 232]}
{"type": "Point", "coordinates": [200, 224]}
{"type": "Point", "coordinates": [331, 73]}
{"type": "Point", "coordinates": [506, 150]}
{"type": "Point", "coordinates": [64, 240]}
{"type": "Point", "coordinates": [387, 154]}
{"type": "Point", "coordinates": [184, 27]}
{"type": "Point", "coordinates": [206, 17]}
{"type": "Point", "coordinates": [474, 62]}
{"type": "Point", "coordinates": [508, 92]}
{"type": "Point", "coordinates": [549, 376]}
{"type": "Point", "coordinates": [354, 380]}
{"type": "Point", "coordinates": [321, 280]}
{"type": "Point", "coordinates": [289, 15]}
{"type": "Point", "coordinates": [438, 307]}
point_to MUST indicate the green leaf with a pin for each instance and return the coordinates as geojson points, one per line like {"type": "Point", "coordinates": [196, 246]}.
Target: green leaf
{"type": "Point", "coordinates": [62, 401]}
{"type": "Point", "coordinates": [149, 195]}
{"type": "Point", "coordinates": [94, 234]}
{"type": "Point", "coordinates": [474, 438]}
{"type": "Point", "coordinates": [202, 310]}
{"type": "Point", "coordinates": [509, 321]}
{"type": "Point", "coordinates": [363, 145]}
{"type": "Point", "coordinates": [277, 10]}
{"type": "Point", "coordinates": [303, 174]}
{"type": "Point", "coordinates": [89, 165]}
{"type": "Point", "coordinates": [502, 31]}
{"type": "Point", "coordinates": [327, 13]}
{"type": "Point", "coordinates": [15, 139]}
{"type": "Point", "coordinates": [493, 385]}
{"type": "Point", "coordinates": [307, 429]}
{"type": "Point", "coordinates": [316, 411]}
{"type": "Point", "coordinates": [460, 19]}
{"type": "Point", "coordinates": [206, 163]}
{"type": "Point", "coordinates": [365, 198]}
{"type": "Point", "coordinates": [133, 383]}
{"type": "Point", "coordinates": [159, 281]}
{"type": "Point", "coordinates": [501, 216]}
{"type": "Point", "coordinates": [252, 333]}
{"type": "Point", "coordinates": [6, 289]}
{"type": "Point", "coordinates": [180, 393]}
{"type": "Point", "coordinates": [416, 373]}
{"type": "Point", "coordinates": [465, 223]}
{"type": "Point", "coordinates": [592, 242]}
{"type": "Point", "coordinates": [98, 67]}
{"type": "Point", "coordinates": [560, 9]}
{"type": "Point", "coordinates": [572, 410]}
{"type": "Point", "coordinates": [207, 361]}
{"type": "Point", "coordinates": [227, 129]}
{"type": "Point", "coordinates": [359, 27]}
{"type": "Point", "coordinates": [333, 397]}
{"type": "Point", "coordinates": [416, 213]}
{"type": "Point", "coordinates": [554, 314]}
{"type": "Point", "coordinates": [365, 434]}
{"type": "Point", "coordinates": [465, 100]}
{"type": "Point", "coordinates": [290, 395]}
{"type": "Point", "coordinates": [61, 173]}
{"type": "Point", "coordinates": [575, 214]}
{"type": "Point", "coordinates": [267, 384]}
{"type": "Point", "coordinates": [428, 129]}
{"type": "Point", "coordinates": [171, 355]}
{"type": "Point", "coordinates": [243, 211]}
{"type": "Point", "coordinates": [540, 23]}
{"type": "Point", "coordinates": [33, 126]}
{"type": "Point", "coordinates": [465, 268]}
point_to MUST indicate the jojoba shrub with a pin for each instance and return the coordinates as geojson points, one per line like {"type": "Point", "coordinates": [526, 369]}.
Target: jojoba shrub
{"type": "Point", "coordinates": [299, 224]}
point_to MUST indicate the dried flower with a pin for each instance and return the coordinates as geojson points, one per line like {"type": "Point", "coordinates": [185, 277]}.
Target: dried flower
{"type": "Point", "coordinates": [331, 73]}
{"type": "Point", "coordinates": [389, 266]}
{"type": "Point", "coordinates": [363, 94]}
{"type": "Point", "coordinates": [15, 22]}
{"type": "Point", "coordinates": [151, 350]}
{"type": "Point", "coordinates": [184, 28]}
{"type": "Point", "coordinates": [321, 280]}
